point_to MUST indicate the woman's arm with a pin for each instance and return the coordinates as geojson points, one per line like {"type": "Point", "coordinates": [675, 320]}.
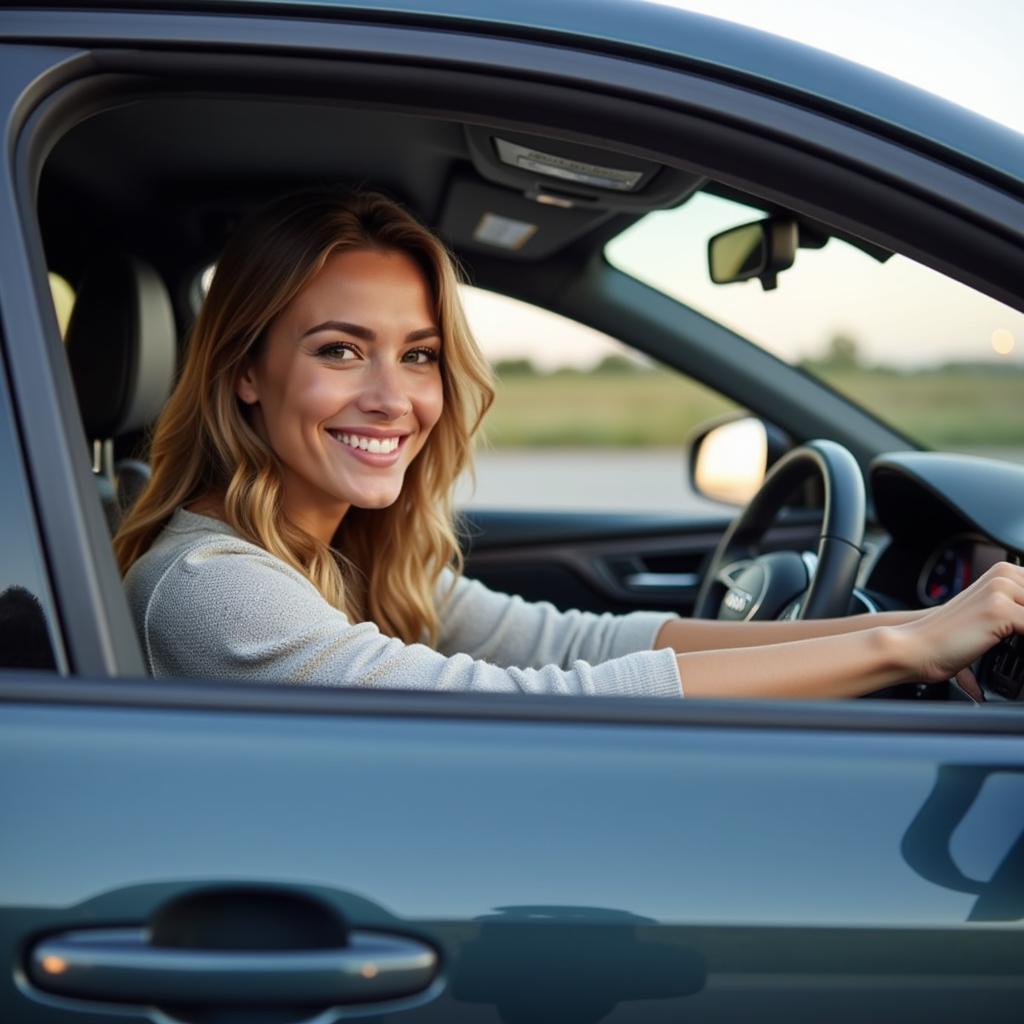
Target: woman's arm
{"type": "Point", "coordinates": [506, 630]}
{"type": "Point", "coordinates": [687, 635]}
{"type": "Point", "coordinates": [930, 646]}
{"type": "Point", "coordinates": [833, 666]}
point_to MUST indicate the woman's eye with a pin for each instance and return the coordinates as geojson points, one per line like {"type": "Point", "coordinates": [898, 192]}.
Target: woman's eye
{"type": "Point", "coordinates": [421, 356]}
{"type": "Point", "coordinates": [338, 351]}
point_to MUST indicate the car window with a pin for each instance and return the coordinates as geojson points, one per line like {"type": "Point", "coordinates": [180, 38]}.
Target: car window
{"type": "Point", "coordinates": [941, 362]}
{"type": "Point", "coordinates": [579, 420]}
{"type": "Point", "coordinates": [27, 622]}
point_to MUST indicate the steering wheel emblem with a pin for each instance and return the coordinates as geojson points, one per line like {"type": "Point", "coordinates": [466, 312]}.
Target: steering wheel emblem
{"type": "Point", "coordinates": [738, 600]}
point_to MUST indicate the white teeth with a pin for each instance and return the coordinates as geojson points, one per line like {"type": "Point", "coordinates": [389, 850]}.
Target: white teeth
{"type": "Point", "coordinates": [380, 446]}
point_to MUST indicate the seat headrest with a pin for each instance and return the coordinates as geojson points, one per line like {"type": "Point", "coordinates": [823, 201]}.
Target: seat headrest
{"type": "Point", "coordinates": [121, 346]}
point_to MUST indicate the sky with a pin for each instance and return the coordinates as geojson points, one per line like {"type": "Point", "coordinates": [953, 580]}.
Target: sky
{"type": "Point", "coordinates": [899, 313]}
{"type": "Point", "coordinates": [966, 52]}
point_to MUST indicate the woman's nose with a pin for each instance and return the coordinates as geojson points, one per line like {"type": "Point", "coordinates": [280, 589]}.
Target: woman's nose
{"type": "Point", "coordinates": [384, 393]}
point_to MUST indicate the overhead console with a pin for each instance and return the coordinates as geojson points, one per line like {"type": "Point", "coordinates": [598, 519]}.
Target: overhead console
{"type": "Point", "coordinates": [532, 196]}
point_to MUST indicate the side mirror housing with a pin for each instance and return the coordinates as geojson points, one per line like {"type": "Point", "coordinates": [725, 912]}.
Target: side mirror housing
{"type": "Point", "coordinates": [728, 457]}
{"type": "Point", "coordinates": [761, 249]}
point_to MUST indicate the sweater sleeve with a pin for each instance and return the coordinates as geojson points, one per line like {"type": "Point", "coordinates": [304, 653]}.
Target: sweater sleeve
{"type": "Point", "coordinates": [506, 630]}
{"type": "Point", "coordinates": [226, 609]}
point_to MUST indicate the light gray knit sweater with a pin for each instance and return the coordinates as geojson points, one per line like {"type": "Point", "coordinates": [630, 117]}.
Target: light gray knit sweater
{"type": "Point", "coordinates": [208, 604]}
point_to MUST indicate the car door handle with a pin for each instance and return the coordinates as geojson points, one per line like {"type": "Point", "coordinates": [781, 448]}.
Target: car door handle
{"type": "Point", "coordinates": [120, 964]}
{"type": "Point", "coordinates": [661, 580]}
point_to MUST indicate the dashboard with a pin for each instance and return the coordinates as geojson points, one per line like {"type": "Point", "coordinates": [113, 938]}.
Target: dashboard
{"type": "Point", "coordinates": [946, 520]}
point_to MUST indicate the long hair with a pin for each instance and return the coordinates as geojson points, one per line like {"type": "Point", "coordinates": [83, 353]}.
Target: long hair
{"type": "Point", "coordinates": [383, 564]}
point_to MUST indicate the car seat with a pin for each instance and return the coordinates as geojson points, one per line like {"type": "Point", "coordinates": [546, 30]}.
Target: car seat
{"type": "Point", "coordinates": [122, 350]}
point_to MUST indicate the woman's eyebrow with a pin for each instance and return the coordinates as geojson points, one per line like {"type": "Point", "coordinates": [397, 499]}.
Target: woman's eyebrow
{"type": "Point", "coordinates": [366, 334]}
{"type": "Point", "coordinates": [425, 332]}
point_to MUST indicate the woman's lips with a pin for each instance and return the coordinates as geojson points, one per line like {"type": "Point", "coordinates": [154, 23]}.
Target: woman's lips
{"type": "Point", "coordinates": [370, 449]}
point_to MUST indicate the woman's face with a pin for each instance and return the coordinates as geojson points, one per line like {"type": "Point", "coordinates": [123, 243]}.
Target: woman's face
{"type": "Point", "coordinates": [347, 385]}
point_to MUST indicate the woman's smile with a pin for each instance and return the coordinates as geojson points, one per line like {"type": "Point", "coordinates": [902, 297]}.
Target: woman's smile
{"type": "Point", "coordinates": [374, 449]}
{"type": "Point", "coordinates": [346, 386]}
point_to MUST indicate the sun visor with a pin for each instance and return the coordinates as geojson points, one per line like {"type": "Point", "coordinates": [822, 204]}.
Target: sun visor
{"type": "Point", "coordinates": [488, 218]}
{"type": "Point", "coordinates": [573, 176]}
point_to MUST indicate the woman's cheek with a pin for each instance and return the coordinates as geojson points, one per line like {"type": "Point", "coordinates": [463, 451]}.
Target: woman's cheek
{"type": "Point", "coordinates": [326, 393]}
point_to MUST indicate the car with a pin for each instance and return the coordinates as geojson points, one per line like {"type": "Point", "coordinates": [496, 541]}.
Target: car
{"type": "Point", "coordinates": [193, 850]}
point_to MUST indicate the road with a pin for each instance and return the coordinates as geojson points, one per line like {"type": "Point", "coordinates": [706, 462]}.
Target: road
{"type": "Point", "coordinates": [646, 480]}
{"type": "Point", "coordinates": [643, 480]}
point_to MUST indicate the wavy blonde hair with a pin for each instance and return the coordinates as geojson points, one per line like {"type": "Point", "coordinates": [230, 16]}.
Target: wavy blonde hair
{"type": "Point", "coordinates": [203, 445]}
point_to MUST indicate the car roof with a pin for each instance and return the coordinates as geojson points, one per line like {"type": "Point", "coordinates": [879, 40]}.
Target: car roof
{"type": "Point", "coordinates": [802, 73]}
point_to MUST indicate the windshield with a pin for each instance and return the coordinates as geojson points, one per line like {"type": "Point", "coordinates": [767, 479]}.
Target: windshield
{"type": "Point", "coordinates": [939, 361]}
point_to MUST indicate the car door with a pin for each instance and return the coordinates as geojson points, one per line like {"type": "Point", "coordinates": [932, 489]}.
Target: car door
{"type": "Point", "coordinates": [201, 852]}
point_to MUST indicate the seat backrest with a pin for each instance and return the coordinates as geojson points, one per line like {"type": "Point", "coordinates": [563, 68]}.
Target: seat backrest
{"type": "Point", "coordinates": [122, 350]}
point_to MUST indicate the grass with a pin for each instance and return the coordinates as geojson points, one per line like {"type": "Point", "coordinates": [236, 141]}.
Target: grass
{"type": "Point", "coordinates": [942, 408]}
{"type": "Point", "coordinates": [625, 410]}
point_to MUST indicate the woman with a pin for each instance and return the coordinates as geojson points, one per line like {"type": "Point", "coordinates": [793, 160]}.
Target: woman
{"type": "Point", "coordinates": [298, 524]}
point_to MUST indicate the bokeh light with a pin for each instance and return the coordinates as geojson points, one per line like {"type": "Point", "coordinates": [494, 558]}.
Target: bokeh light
{"type": "Point", "coordinates": [1003, 341]}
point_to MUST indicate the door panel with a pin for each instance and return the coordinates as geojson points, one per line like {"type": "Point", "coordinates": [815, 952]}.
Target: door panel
{"type": "Point", "coordinates": [607, 561]}
{"type": "Point", "coordinates": [579, 869]}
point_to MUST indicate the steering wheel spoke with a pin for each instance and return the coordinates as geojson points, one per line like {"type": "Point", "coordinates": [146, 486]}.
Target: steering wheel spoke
{"type": "Point", "coordinates": [728, 575]}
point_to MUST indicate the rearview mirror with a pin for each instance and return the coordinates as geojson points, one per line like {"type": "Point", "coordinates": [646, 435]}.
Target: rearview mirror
{"type": "Point", "coordinates": [761, 249]}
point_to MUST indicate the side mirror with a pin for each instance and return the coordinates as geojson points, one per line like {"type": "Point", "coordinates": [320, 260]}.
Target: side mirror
{"type": "Point", "coordinates": [762, 249]}
{"type": "Point", "coordinates": [728, 458]}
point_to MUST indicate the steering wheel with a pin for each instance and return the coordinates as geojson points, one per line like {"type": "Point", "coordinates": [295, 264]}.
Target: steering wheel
{"type": "Point", "coordinates": [742, 584]}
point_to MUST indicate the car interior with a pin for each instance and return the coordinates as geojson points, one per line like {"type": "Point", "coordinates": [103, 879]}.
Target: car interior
{"type": "Point", "coordinates": [146, 174]}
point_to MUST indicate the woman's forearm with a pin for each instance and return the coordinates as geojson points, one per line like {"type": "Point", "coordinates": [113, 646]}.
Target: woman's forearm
{"type": "Point", "coordinates": [688, 635]}
{"type": "Point", "coordinates": [849, 665]}
{"type": "Point", "coordinates": [852, 656]}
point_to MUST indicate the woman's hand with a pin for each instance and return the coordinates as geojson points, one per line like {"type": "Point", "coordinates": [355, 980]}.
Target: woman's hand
{"type": "Point", "coordinates": [945, 640]}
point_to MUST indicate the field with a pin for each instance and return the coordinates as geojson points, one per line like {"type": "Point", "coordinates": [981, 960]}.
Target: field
{"type": "Point", "coordinates": [960, 407]}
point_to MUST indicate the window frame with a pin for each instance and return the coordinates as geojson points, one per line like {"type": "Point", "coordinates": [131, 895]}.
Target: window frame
{"type": "Point", "coordinates": [20, 531]}
{"type": "Point", "coordinates": [99, 635]}
{"type": "Point", "coordinates": [98, 638]}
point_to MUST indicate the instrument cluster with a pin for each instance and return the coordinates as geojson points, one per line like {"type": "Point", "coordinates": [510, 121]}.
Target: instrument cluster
{"type": "Point", "coordinates": [954, 565]}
